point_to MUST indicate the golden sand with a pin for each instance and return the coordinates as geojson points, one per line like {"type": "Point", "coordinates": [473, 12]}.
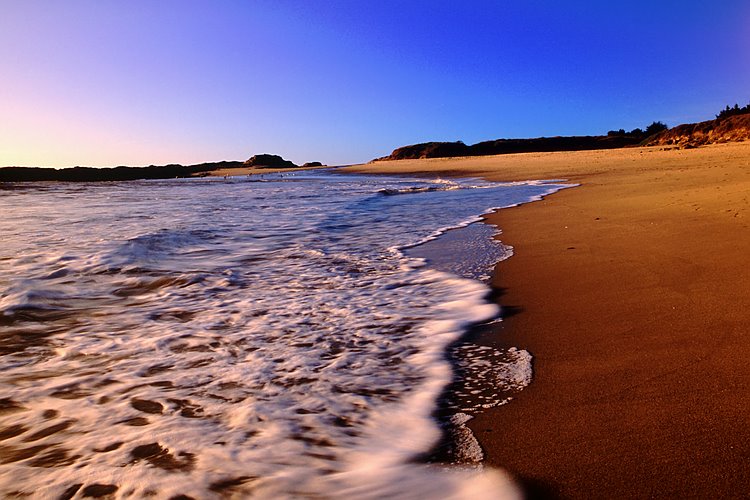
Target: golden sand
{"type": "Point", "coordinates": [632, 292]}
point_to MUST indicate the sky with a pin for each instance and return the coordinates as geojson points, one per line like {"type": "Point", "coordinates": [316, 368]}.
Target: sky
{"type": "Point", "coordinates": [139, 82]}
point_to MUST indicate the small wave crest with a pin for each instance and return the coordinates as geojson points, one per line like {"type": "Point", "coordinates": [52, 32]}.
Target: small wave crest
{"type": "Point", "coordinates": [418, 189]}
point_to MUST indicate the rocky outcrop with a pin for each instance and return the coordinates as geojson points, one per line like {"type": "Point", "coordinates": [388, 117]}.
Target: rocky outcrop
{"type": "Point", "coordinates": [313, 164]}
{"type": "Point", "coordinates": [269, 161]}
{"type": "Point", "coordinates": [429, 150]}
{"type": "Point", "coordinates": [730, 129]}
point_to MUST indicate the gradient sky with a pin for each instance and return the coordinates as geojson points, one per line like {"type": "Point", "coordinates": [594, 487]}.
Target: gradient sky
{"type": "Point", "coordinates": [140, 82]}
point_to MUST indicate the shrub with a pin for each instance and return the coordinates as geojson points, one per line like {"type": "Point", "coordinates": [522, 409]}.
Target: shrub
{"type": "Point", "coordinates": [733, 111]}
{"type": "Point", "coordinates": [655, 128]}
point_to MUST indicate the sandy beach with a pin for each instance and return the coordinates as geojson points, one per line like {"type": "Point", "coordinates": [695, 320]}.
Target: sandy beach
{"type": "Point", "coordinates": [631, 292]}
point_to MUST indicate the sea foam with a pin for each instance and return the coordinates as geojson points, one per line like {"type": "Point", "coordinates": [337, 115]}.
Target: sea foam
{"type": "Point", "coordinates": [209, 338]}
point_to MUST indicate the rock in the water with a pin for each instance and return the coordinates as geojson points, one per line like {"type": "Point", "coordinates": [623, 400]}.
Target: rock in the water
{"type": "Point", "coordinates": [269, 161]}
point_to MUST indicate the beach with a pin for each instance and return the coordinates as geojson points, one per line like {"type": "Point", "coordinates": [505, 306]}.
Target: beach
{"type": "Point", "coordinates": [631, 293]}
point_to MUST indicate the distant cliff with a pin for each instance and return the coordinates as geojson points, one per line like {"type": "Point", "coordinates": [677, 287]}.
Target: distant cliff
{"type": "Point", "coordinates": [726, 129]}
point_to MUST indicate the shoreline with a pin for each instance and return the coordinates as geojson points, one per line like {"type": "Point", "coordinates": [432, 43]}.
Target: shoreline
{"type": "Point", "coordinates": [630, 293]}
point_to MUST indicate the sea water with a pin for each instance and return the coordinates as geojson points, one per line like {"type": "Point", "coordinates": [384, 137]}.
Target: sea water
{"type": "Point", "coordinates": [270, 336]}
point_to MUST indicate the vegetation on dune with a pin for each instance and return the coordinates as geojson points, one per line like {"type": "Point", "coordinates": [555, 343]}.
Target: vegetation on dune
{"type": "Point", "coordinates": [613, 139]}
{"type": "Point", "coordinates": [728, 127]}
{"type": "Point", "coordinates": [733, 111]}
{"type": "Point", "coordinates": [732, 124]}
{"type": "Point", "coordinates": [639, 133]}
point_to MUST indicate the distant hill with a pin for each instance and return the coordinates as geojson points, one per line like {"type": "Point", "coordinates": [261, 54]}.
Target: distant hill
{"type": "Point", "coordinates": [91, 174]}
{"type": "Point", "coordinates": [613, 139]}
{"type": "Point", "coordinates": [731, 128]}
{"type": "Point", "coordinates": [507, 146]}
{"type": "Point", "coordinates": [730, 125]}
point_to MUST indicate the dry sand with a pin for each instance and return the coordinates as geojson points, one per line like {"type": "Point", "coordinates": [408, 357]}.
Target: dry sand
{"type": "Point", "coordinates": [632, 292]}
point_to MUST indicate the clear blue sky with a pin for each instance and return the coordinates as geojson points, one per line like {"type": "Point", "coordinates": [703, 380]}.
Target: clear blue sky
{"type": "Point", "coordinates": [137, 82]}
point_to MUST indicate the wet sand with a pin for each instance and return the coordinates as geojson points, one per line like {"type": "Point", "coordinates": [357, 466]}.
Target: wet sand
{"type": "Point", "coordinates": [632, 292]}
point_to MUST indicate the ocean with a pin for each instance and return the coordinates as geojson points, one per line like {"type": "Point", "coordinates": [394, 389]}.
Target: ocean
{"type": "Point", "coordinates": [283, 335]}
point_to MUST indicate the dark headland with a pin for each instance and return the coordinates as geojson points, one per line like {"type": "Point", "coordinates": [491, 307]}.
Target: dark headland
{"type": "Point", "coordinates": [123, 173]}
